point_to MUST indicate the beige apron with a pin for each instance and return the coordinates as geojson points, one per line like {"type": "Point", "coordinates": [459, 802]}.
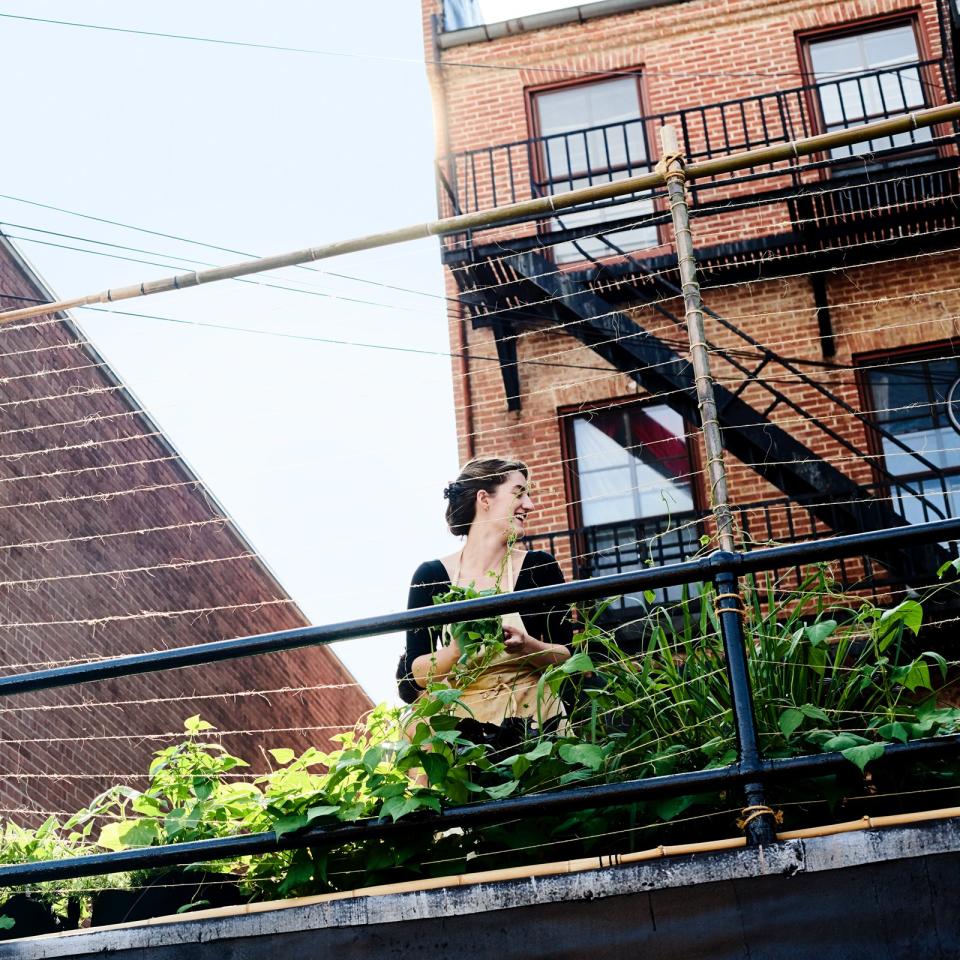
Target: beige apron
{"type": "Point", "coordinates": [507, 687]}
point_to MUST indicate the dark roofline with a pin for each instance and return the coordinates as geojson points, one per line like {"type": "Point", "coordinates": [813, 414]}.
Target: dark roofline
{"type": "Point", "coordinates": [539, 21]}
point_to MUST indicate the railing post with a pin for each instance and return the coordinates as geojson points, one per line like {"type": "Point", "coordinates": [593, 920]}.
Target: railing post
{"type": "Point", "coordinates": [758, 819]}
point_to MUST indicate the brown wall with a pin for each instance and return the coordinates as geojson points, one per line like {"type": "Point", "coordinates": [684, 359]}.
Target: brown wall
{"type": "Point", "coordinates": [71, 469]}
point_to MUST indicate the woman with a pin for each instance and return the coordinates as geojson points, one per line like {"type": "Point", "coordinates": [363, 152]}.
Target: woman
{"type": "Point", "coordinates": [489, 503]}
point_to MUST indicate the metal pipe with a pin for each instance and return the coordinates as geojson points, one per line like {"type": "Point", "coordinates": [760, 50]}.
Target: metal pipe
{"type": "Point", "coordinates": [540, 206]}
{"type": "Point", "coordinates": [760, 826]}
{"type": "Point", "coordinates": [475, 815]}
{"type": "Point", "coordinates": [689, 571]}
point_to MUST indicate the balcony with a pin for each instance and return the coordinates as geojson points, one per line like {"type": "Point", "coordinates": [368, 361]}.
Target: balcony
{"type": "Point", "coordinates": [628, 545]}
{"type": "Point", "coordinates": [795, 208]}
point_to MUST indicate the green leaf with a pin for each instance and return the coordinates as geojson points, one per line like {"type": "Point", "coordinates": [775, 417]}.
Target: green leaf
{"type": "Point", "coordinates": [194, 724]}
{"type": "Point", "coordinates": [893, 731]}
{"type": "Point", "coordinates": [668, 809]}
{"type": "Point", "coordinates": [864, 753]}
{"type": "Point", "coordinates": [502, 790]}
{"type": "Point", "coordinates": [289, 824]}
{"type": "Point", "coordinates": [578, 663]}
{"type": "Point", "coordinates": [909, 612]}
{"type": "Point", "coordinates": [912, 676]}
{"type": "Point", "coordinates": [196, 905]}
{"type": "Point", "coordinates": [789, 721]}
{"type": "Point", "coordinates": [543, 749]}
{"type": "Point", "coordinates": [818, 633]}
{"type": "Point", "coordinates": [372, 758]}
{"type": "Point", "coordinates": [395, 807]}
{"type": "Point", "coordinates": [314, 813]}
{"type": "Point", "coordinates": [283, 755]}
{"type": "Point", "coordinates": [435, 767]}
{"type": "Point", "coordinates": [585, 754]}
{"type": "Point", "coordinates": [301, 870]}
{"type": "Point", "coordinates": [7, 923]}
{"type": "Point", "coordinates": [129, 833]}
{"type": "Point", "coordinates": [844, 741]}
{"type": "Point", "coordinates": [814, 713]}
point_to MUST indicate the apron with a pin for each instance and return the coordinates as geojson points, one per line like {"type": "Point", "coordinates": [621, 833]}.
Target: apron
{"type": "Point", "coordinates": [507, 687]}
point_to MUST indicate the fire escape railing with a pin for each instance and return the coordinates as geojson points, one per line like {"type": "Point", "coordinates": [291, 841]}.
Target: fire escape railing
{"type": "Point", "coordinates": [510, 172]}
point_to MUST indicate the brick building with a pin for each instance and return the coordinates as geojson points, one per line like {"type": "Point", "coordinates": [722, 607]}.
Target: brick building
{"type": "Point", "coordinates": [111, 545]}
{"type": "Point", "coordinates": [833, 281]}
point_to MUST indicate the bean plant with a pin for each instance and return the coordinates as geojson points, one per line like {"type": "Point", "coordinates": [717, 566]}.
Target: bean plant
{"type": "Point", "coordinates": [830, 672]}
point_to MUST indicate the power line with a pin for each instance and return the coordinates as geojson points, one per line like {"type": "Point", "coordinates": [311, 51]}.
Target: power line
{"type": "Point", "coordinates": [414, 61]}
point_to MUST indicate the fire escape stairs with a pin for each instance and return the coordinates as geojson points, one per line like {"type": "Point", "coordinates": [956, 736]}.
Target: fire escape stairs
{"type": "Point", "coordinates": [749, 434]}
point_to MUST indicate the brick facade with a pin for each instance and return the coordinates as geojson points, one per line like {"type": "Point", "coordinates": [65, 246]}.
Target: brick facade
{"type": "Point", "coordinates": [689, 54]}
{"type": "Point", "coordinates": [87, 486]}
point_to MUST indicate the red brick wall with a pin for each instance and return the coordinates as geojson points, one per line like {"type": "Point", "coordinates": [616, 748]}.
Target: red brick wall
{"type": "Point", "coordinates": [690, 54]}
{"type": "Point", "coordinates": [72, 468]}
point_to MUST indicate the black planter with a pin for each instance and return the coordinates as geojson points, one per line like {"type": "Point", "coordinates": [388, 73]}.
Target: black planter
{"type": "Point", "coordinates": [165, 893]}
{"type": "Point", "coordinates": [33, 917]}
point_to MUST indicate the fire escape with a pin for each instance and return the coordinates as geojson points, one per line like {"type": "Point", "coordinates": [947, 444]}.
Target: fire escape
{"type": "Point", "coordinates": [853, 207]}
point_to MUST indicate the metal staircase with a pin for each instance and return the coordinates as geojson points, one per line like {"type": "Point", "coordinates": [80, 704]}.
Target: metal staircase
{"type": "Point", "coordinates": [526, 287]}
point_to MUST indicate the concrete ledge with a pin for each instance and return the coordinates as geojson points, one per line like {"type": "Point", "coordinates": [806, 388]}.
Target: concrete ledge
{"type": "Point", "coordinates": [837, 892]}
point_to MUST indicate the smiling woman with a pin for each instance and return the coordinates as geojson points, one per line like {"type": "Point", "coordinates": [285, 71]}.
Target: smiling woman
{"type": "Point", "coordinates": [495, 664]}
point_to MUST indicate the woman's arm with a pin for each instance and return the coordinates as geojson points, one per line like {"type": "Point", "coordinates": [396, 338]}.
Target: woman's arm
{"type": "Point", "coordinates": [411, 676]}
{"type": "Point", "coordinates": [552, 623]}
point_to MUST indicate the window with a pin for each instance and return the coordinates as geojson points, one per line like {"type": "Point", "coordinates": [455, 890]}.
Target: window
{"type": "Point", "coordinates": [866, 76]}
{"type": "Point", "coordinates": [589, 134]}
{"type": "Point", "coordinates": [634, 475]}
{"type": "Point", "coordinates": [909, 403]}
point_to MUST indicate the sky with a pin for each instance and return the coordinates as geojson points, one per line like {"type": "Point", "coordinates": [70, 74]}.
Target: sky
{"type": "Point", "coordinates": [330, 458]}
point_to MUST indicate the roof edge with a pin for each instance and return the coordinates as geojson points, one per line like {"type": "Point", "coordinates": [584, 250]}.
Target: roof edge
{"type": "Point", "coordinates": [539, 21]}
{"type": "Point", "coordinates": [32, 276]}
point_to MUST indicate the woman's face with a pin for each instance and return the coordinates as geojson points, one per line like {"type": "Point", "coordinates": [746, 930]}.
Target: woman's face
{"type": "Point", "coordinates": [507, 506]}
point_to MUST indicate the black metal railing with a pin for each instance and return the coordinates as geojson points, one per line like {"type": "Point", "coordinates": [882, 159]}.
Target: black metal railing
{"type": "Point", "coordinates": [636, 544]}
{"type": "Point", "coordinates": [750, 772]}
{"type": "Point", "coordinates": [523, 169]}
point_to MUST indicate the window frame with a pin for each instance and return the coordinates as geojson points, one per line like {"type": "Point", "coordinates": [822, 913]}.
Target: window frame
{"type": "Point", "coordinates": [537, 172]}
{"type": "Point", "coordinates": [912, 16]}
{"type": "Point", "coordinates": [863, 362]}
{"type": "Point", "coordinates": [568, 448]}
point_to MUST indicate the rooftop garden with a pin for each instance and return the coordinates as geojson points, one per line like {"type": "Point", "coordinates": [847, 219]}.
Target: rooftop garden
{"type": "Point", "coordinates": [830, 672]}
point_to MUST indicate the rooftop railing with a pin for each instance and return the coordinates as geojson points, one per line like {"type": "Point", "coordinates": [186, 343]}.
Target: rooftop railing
{"type": "Point", "coordinates": [750, 771]}
{"type": "Point", "coordinates": [599, 550]}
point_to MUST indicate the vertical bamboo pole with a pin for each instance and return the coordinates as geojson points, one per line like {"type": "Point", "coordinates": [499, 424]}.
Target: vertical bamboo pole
{"type": "Point", "coordinates": [758, 819]}
{"type": "Point", "coordinates": [672, 167]}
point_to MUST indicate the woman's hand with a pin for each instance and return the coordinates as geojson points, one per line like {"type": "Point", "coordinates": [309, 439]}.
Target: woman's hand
{"type": "Point", "coordinates": [519, 644]}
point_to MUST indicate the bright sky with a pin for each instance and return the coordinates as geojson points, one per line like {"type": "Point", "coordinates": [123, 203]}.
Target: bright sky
{"type": "Point", "coordinates": [331, 458]}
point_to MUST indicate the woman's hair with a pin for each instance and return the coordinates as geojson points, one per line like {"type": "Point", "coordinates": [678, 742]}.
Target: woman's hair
{"type": "Point", "coordinates": [476, 475]}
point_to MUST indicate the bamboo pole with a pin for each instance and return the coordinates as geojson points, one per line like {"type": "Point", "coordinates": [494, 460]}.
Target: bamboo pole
{"type": "Point", "coordinates": [541, 206]}
{"type": "Point", "coordinates": [673, 169]}
{"type": "Point", "coordinates": [555, 868]}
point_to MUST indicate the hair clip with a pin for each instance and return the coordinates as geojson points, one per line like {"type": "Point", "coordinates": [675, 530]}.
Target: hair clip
{"type": "Point", "coordinates": [451, 489]}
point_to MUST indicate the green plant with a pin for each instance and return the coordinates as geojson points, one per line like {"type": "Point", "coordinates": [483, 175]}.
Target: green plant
{"type": "Point", "coordinates": [829, 672]}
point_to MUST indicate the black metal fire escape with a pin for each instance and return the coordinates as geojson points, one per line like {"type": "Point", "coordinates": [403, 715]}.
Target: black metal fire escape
{"type": "Point", "coordinates": [509, 286]}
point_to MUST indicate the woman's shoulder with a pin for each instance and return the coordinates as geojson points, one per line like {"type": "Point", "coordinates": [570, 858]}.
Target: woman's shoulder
{"type": "Point", "coordinates": [540, 565]}
{"type": "Point", "coordinates": [430, 572]}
